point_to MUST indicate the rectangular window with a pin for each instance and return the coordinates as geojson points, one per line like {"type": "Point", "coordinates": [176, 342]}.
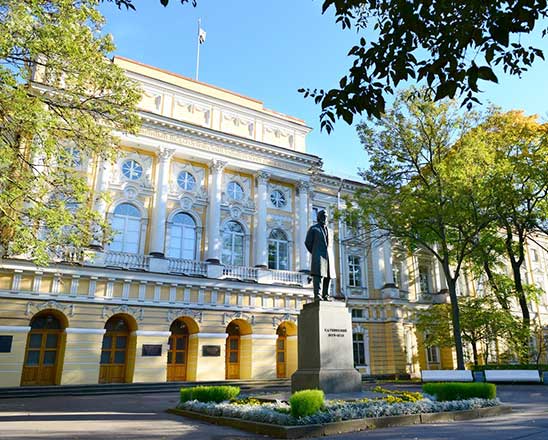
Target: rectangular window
{"type": "Point", "coordinates": [396, 275]}
{"type": "Point", "coordinates": [424, 279]}
{"type": "Point", "coordinates": [357, 313]}
{"type": "Point", "coordinates": [354, 271]}
{"type": "Point", "coordinates": [534, 255]}
{"type": "Point", "coordinates": [433, 355]}
{"type": "Point", "coordinates": [358, 344]}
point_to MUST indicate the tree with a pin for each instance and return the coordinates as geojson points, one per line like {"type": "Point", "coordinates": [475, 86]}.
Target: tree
{"type": "Point", "coordinates": [482, 322]}
{"type": "Point", "coordinates": [519, 172]}
{"type": "Point", "coordinates": [425, 184]}
{"type": "Point", "coordinates": [451, 45]}
{"type": "Point", "coordinates": [61, 99]}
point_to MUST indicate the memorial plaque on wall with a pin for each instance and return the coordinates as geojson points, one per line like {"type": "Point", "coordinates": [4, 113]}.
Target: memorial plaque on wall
{"type": "Point", "coordinates": [152, 349]}
{"type": "Point", "coordinates": [5, 344]}
{"type": "Point", "coordinates": [211, 350]}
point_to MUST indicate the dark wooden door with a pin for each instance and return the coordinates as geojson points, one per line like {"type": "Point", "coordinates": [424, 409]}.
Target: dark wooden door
{"type": "Point", "coordinates": [41, 357]}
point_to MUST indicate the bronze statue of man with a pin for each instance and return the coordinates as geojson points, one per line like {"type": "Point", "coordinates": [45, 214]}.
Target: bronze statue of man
{"type": "Point", "coordinates": [322, 268]}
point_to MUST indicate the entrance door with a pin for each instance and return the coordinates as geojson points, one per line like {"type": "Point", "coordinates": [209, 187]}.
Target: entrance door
{"type": "Point", "coordinates": [281, 356]}
{"type": "Point", "coordinates": [233, 357]}
{"type": "Point", "coordinates": [42, 352]}
{"type": "Point", "coordinates": [177, 355]}
{"type": "Point", "coordinates": [114, 351]}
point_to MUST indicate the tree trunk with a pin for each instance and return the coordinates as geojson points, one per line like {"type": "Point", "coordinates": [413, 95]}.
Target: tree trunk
{"type": "Point", "coordinates": [455, 316]}
{"type": "Point", "coordinates": [475, 352]}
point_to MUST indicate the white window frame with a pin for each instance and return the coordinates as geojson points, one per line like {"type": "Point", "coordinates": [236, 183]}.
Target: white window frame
{"type": "Point", "coordinates": [365, 343]}
{"type": "Point", "coordinates": [184, 230]}
{"type": "Point", "coordinates": [233, 235]}
{"type": "Point", "coordinates": [123, 242]}
{"type": "Point", "coordinates": [131, 179]}
{"type": "Point", "coordinates": [352, 268]}
{"type": "Point", "coordinates": [277, 242]}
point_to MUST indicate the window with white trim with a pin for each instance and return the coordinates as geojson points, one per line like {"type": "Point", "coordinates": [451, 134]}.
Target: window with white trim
{"type": "Point", "coordinates": [132, 170]}
{"type": "Point", "coordinates": [433, 354]}
{"type": "Point", "coordinates": [358, 345]}
{"type": "Point", "coordinates": [354, 271]}
{"type": "Point", "coordinates": [233, 244]}
{"type": "Point", "coordinates": [126, 227]}
{"type": "Point", "coordinates": [182, 239]}
{"type": "Point", "coordinates": [278, 250]}
{"type": "Point", "coordinates": [424, 279]}
{"type": "Point", "coordinates": [235, 191]}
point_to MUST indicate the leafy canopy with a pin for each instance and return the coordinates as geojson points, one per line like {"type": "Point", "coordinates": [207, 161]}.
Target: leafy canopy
{"type": "Point", "coordinates": [61, 100]}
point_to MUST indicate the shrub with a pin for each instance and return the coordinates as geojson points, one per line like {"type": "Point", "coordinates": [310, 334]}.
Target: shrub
{"type": "Point", "coordinates": [539, 367]}
{"type": "Point", "coordinates": [306, 402]}
{"type": "Point", "coordinates": [209, 393]}
{"type": "Point", "coordinates": [460, 391]}
{"type": "Point", "coordinates": [395, 396]}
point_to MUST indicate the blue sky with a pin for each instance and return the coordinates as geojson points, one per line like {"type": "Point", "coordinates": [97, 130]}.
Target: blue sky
{"type": "Point", "coordinates": [270, 48]}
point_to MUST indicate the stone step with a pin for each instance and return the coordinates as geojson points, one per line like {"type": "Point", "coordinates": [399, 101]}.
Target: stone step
{"type": "Point", "coordinates": [133, 388]}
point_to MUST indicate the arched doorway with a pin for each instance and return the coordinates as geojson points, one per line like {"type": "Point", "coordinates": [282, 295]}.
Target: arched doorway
{"type": "Point", "coordinates": [44, 350]}
{"type": "Point", "coordinates": [117, 350]}
{"type": "Point", "coordinates": [284, 358]}
{"type": "Point", "coordinates": [179, 349]}
{"type": "Point", "coordinates": [237, 349]}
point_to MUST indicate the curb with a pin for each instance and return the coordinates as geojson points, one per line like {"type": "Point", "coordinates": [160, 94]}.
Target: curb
{"type": "Point", "coordinates": [290, 432]}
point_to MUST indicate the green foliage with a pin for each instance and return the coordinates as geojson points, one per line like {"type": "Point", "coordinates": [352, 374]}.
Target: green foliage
{"type": "Point", "coordinates": [539, 367]}
{"type": "Point", "coordinates": [61, 100]}
{"type": "Point", "coordinates": [412, 41]}
{"type": "Point", "coordinates": [245, 401]}
{"type": "Point", "coordinates": [306, 402]}
{"type": "Point", "coordinates": [209, 393]}
{"type": "Point", "coordinates": [460, 391]}
{"type": "Point", "coordinates": [395, 396]}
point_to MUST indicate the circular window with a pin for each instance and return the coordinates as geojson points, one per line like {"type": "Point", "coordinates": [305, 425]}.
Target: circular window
{"type": "Point", "coordinates": [132, 170]}
{"type": "Point", "coordinates": [278, 199]}
{"type": "Point", "coordinates": [186, 181]}
{"type": "Point", "coordinates": [235, 191]}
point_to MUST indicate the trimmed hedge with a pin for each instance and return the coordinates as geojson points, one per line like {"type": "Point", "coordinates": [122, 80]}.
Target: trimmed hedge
{"type": "Point", "coordinates": [539, 367]}
{"type": "Point", "coordinates": [460, 391]}
{"type": "Point", "coordinates": [209, 393]}
{"type": "Point", "coordinates": [306, 402]}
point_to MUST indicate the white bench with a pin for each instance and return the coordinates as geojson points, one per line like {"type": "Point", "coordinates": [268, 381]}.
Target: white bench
{"type": "Point", "coordinates": [447, 376]}
{"type": "Point", "coordinates": [512, 376]}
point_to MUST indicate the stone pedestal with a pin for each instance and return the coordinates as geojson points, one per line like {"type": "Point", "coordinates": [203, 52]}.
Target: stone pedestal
{"type": "Point", "coordinates": [325, 350]}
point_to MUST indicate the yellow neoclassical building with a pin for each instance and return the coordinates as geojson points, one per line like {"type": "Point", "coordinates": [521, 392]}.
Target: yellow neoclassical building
{"type": "Point", "coordinates": [209, 203]}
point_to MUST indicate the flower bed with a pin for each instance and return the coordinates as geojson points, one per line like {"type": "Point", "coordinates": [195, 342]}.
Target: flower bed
{"type": "Point", "coordinates": [278, 413]}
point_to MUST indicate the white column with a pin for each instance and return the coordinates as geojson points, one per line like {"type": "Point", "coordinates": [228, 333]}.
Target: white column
{"type": "Point", "coordinates": [261, 244]}
{"type": "Point", "coordinates": [387, 254]}
{"type": "Point", "coordinates": [303, 224]}
{"type": "Point", "coordinates": [159, 209]}
{"type": "Point", "coordinates": [100, 204]}
{"type": "Point", "coordinates": [214, 211]}
{"type": "Point", "coordinates": [377, 259]}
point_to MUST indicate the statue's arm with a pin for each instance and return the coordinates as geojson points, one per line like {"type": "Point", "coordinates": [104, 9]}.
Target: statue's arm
{"type": "Point", "coordinates": [309, 241]}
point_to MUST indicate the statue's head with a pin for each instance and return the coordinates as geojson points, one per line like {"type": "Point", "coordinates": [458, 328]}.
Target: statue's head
{"type": "Point", "coordinates": [322, 217]}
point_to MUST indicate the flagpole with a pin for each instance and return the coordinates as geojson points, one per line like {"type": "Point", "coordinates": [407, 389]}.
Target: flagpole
{"type": "Point", "coordinates": [198, 48]}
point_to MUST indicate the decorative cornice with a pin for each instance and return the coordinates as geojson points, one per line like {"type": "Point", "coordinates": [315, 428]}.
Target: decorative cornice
{"type": "Point", "coordinates": [33, 307]}
{"type": "Point", "coordinates": [277, 320]}
{"type": "Point", "coordinates": [227, 317]}
{"type": "Point", "coordinates": [137, 313]}
{"type": "Point", "coordinates": [173, 314]}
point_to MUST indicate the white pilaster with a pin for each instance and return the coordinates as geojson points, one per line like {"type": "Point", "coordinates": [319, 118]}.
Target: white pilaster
{"type": "Point", "coordinates": [159, 208]}
{"type": "Point", "coordinates": [214, 211]}
{"type": "Point", "coordinates": [387, 255]}
{"type": "Point", "coordinates": [303, 225]}
{"type": "Point", "coordinates": [261, 245]}
{"type": "Point", "coordinates": [101, 187]}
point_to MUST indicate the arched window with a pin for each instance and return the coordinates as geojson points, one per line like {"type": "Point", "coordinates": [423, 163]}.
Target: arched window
{"type": "Point", "coordinates": [182, 240]}
{"type": "Point", "coordinates": [233, 244]}
{"type": "Point", "coordinates": [278, 250]}
{"type": "Point", "coordinates": [126, 228]}
{"type": "Point", "coordinates": [235, 191]}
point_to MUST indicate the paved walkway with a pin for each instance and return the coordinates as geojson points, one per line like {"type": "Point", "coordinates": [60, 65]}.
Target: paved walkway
{"type": "Point", "coordinates": [142, 416]}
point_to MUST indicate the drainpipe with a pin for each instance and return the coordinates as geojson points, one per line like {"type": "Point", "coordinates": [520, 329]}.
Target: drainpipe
{"type": "Point", "coordinates": [341, 264]}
